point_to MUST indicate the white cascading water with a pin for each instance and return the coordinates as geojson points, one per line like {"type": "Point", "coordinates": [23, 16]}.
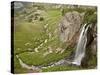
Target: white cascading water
{"type": "Point", "coordinates": [81, 46]}
{"type": "Point", "coordinates": [79, 54]}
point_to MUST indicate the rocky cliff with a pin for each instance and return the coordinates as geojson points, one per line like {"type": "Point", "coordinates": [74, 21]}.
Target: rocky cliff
{"type": "Point", "coordinates": [70, 27]}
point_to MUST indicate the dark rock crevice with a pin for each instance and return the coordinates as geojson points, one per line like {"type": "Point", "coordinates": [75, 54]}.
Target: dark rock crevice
{"type": "Point", "coordinates": [70, 27]}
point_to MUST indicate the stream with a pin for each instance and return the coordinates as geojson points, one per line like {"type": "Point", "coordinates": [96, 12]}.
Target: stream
{"type": "Point", "coordinates": [79, 54]}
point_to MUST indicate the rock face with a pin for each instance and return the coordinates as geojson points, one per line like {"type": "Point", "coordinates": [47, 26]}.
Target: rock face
{"type": "Point", "coordinates": [94, 42]}
{"type": "Point", "coordinates": [91, 49]}
{"type": "Point", "coordinates": [69, 27]}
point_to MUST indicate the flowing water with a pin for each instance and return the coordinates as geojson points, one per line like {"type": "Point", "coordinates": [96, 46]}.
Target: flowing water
{"type": "Point", "coordinates": [79, 54]}
{"type": "Point", "coordinates": [81, 46]}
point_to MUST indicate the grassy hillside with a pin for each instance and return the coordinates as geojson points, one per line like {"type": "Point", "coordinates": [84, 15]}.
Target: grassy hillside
{"type": "Point", "coordinates": [29, 35]}
{"type": "Point", "coordinates": [36, 39]}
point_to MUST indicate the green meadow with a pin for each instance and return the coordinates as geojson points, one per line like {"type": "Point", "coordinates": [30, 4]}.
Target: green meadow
{"type": "Point", "coordinates": [36, 38]}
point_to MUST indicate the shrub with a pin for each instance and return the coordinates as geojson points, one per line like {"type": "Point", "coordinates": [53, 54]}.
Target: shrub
{"type": "Point", "coordinates": [90, 16]}
{"type": "Point", "coordinates": [41, 19]}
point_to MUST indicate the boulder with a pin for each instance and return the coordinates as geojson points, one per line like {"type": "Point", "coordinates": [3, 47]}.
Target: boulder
{"type": "Point", "coordinates": [69, 28]}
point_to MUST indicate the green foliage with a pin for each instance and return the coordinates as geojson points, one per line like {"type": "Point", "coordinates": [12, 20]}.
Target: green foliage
{"type": "Point", "coordinates": [41, 19]}
{"type": "Point", "coordinates": [37, 59]}
{"type": "Point", "coordinates": [27, 31]}
{"type": "Point", "coordinates": [61, 68]}
{"type": "Point", "coordinates": [90, 13]}
{"type": "Point", "coordinates": [92, 62]}
{"type": "Point", "coordinates": [90, 16]}
{"type": "Point", "coordinates": [39, 6]}
{"type": "Point", "coordinates": [18, 68]}
{"type": "Point", "coordinates": [33, 33]}
{"type": "Point", "coordinates": [65, 10]}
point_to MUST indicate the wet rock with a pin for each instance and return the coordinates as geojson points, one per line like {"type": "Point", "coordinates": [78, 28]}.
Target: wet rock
{"type": "Point", "coordinates": [94, 46]}
{"type": "Point", "coordinates": [59, 62]}
{"type": "Point", "coordinates": [70, 28]}
{"type": "Point", "coordinates": [91, 49]}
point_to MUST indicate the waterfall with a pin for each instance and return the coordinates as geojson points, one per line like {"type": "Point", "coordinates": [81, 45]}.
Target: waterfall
{"type": "Point", "coordinates": [81, 46]}
{"type": "Point", "coordinates": [79, 54]}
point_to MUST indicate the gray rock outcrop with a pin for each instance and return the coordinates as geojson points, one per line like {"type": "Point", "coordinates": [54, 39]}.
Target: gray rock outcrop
{"type": "Point", "coordinates": [69, 27]}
